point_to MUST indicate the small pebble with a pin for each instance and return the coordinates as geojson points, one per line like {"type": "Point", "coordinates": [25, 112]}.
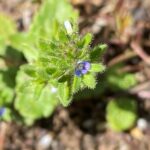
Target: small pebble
{"type": "Point", "coordinates": [136, 133]}
{"type": "Point", "coordinates": [142, 124]}
{"type": "Point", "coordinates": [45, 141]}
{"type": "Point", "coordinates": [88, 124]}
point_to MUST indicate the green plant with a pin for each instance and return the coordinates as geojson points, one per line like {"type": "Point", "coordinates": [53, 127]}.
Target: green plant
{"type": "Point", "coordinates": [121, 113]}
{"type": "Point", "coordinates": [50, 63]}
{"type": "Point", "coordinates": [10, 59]}
{"type": "Point", "coordinates": [119, 80]}
{"type": "Point", "coordinates": [58, 62]}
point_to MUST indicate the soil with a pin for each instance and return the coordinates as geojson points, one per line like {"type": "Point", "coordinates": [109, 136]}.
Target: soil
{"type": "Point", "coordinates": [78, 127]}
{"type": "Point", "coordinates": [82, 126]}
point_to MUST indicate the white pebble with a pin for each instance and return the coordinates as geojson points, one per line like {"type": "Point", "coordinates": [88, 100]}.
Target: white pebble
{"type": "Point", "coordinates": [45, 141]}
{"type": "Point", "coordinates": [142, 124]}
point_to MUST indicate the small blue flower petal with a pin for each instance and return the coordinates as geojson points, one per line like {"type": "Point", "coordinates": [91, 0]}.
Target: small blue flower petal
{"type": "Point", "coordinates": [84, 71]}
{"type": "Point", "coordinates": [78, 73]}
{"type": "Point", "coordinates": [2, 110]}
{"type": "Point", "coordinates": [86, 67]}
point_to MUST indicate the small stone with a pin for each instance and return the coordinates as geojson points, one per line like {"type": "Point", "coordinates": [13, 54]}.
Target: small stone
{"type": "Point", "coordinates": [88, 124]}
{"type": "Point", "coordinates": [98, 25]}
{"type": "Point", "coordinates": [136, 133]}
{"type": "Point", "coordinates": [88, 142]}
{"type": "Point", "coordinates": [142, 124]}
{"type": "Point", "coordinates": [27, 18]}
{"type": "Point", "coordinates": [45, 141]}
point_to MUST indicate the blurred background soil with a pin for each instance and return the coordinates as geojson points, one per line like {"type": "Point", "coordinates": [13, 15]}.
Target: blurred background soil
{"type": "Point", "coordinates": [82, 125]}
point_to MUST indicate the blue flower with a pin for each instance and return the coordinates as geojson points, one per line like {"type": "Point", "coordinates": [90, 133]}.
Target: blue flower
{"type": "Point", "coordinates": [82, 68]}
{"type": "Point", "coordinates": [2, 110]}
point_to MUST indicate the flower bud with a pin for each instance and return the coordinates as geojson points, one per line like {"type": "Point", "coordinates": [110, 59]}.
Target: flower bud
{"type": "Point", "coordinates": [68, 27]}
{"type": "Point", "coordinates": [82, 68]}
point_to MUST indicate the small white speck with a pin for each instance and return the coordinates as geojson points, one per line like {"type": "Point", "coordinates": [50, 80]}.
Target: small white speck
{"type": "Point", "coordinates": [53, 90]}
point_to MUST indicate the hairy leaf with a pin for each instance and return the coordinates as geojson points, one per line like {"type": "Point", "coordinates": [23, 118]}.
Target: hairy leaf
{"type": "Point", "coordinates": [121, 113]}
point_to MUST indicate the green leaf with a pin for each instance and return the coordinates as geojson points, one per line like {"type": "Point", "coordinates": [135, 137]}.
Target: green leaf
{"type": "Point", "coordinates": [28, 45]}
{"type": "Point", "coordinates": [97, 52]}
{"type": "Point", "coordinates": [34, 101]}
{"type": "Point", "coordinates": [42, 74]}
{"type": "Point", "coordinates": [89, 80]}
{"type": "Point", "coordinates": [47, 46]}
{"type": "Point", "coordinates": [64, 94]}
{"type": "Point", "coordinates": [30, 70]}
{"type": "Point", "coordinates": [121, 114]}
{"type": "Point", "coordinates": [64, 78]}
{"type": "Point", "coordinates": [97, 67]}
{"type": "Point", "coordinates": [76, 85]}
{"type": "Point", "coordinates": [85, 41]}
{"type": "Point", "coordinates": [7, 116]}
{"type": "Point", "coordinates": [6, 91]}
{"type": "Point", "coordinates": [44, 27]}
{"type": "Point", "coordinates": [102, 46]}
{"type": "Point", "coordinates": [120, 81]}
{"type": "Point", "coordinates": [50, 11]}
{"type": "Point", "coordinates": [50, 70]}
{"type": "Point", "coordinates": [7, 28]}
{"type": "Point", "coordinates": [8, 70]}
